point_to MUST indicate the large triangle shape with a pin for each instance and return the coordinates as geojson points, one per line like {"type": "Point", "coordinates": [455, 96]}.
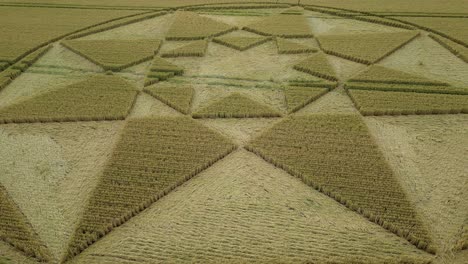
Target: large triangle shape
{"type": "Point", "coordinates": [101, 97]}
{"type": "Point", "coordinates": [240, 43]}
{"type": "Point", "coordinates": [245, 210]}
{"type": "Point", "coordinates": [50, 170]}
{"type": "Point", "coordinates": [337, 155]}
{"type": "Point", "coordinates": [413, 161]}
{"type": "Point", "coordinates": [290, 47]}
{"type": "Point", "coordinates": [236, 106]}
{"type": "Point", "coordinates": [425, 57]}
{"type": "Point", "coordinates": [17, 231]}
{"type": "Point", "coordinates": [178, 97]}
{"type": "Point", "coordinates": [193, 49]}
{"type": "Point", "coordinates": [365, 48]}
{"type": "Point", "coordinates": [381, 74]}
{"type": "Point", "coordinates": [152, 157]}
{"type": "Point", "coordinates": [113, 54]}
{"type": "Point", "coordinates": [190, 26]}
{"type": "Point", "coordinates": [297, 97]}
{"type": "Point", "coordinates": [161, 70]}
{"type": "Point", "coordinates": [289, 26]}
{"type": "Point", "coordinates": [317, 65]}
{"type": "Point", "coordinates": [375, 102]}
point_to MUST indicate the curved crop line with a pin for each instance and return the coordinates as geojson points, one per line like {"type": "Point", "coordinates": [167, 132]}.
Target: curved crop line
{"type": "Point", "coordinates": [440, 34]}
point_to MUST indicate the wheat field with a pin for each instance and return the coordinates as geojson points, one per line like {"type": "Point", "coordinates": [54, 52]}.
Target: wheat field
{"type": "Point", "coordinates": [203, 131]}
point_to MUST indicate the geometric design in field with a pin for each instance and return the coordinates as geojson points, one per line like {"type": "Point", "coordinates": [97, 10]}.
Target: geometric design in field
{"type": "Point", "coordinates": [240, 43]}
{"type": "Point", "coordinates": [317, 65]}
{"type": "Point", "coordinates": [161, 70]}
{"type": "Point", "coordinates": [7, 75]}
{"type": "Point", "coordinates": [425, 57]}
{"type": "Point", "coordinates": [236, 106]}
{"type": "Point", "coordinates": [365, 48]}
{"type": "Point", "coordinates": [456, 48]}
{"type": "Point", "coordinates": [50, 170]}
{"type": "Point", "coordinates": [100, 97]}
{"type": "Point", "coordinates": [152, 157]}
{"type": "Point", "coordinates": [27, 61]}
{"type": "Point", "coordinates": [381, 74]}
{"type": "Point", "coordinates": [413, 88]}
{"type": "Point", "coordinates": [114, 54]}
{"type": "Point", "coordinates": [252, 213]}
{"type": "Point", "coordinates": [337, 155]}
{"type": "Point", "coordinates": [450, 27]}
{"type": "Point", "coordinates": [380, 78]}
{"type": "Point", "coordinates": [289, 47]}
{"type": "Point", "coordinates": [195, 48]}
{"type": "Point", "coordinates": [16, 230]}
{"type": "Point", "coordinates": [287, 26]}
{"type": "Point", "coordinates": [299, 96]}
{"type": "Point", "coordinates": [177, 96]}
{"type": "Point", "coordinates": [376, 102]}
{"type": "Point", "coordinates": [191, 26]}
